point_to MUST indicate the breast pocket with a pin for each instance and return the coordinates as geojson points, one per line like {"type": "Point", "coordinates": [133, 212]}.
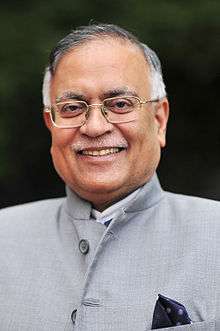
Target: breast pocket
{"type": "Point", "coordinates": [197, 326]}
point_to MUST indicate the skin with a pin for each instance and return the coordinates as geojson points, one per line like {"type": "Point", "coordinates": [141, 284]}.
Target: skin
{"type": "Point", "coordinates": [94, 71]}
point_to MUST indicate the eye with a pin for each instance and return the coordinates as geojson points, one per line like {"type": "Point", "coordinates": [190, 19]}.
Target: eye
{"type": "Point", "coordinates": [71, 109]}
{"type": "Point", "coordinates": [120, 105]}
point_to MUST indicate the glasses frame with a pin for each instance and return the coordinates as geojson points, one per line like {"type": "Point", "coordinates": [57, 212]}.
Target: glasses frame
{"type": "Point", "coordinates": [102, 108]}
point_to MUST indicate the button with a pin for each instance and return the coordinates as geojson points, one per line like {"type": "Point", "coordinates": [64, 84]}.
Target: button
{"type": "Point", "coordinates": [84, 246]}
{"type": "Point", "coordinates": [73, 316]}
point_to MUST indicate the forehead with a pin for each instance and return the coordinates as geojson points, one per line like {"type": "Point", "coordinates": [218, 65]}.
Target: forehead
{"type": "Point", "coordinates": [101, 64]}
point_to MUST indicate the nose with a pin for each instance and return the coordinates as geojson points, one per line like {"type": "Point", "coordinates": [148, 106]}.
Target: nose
{"type": "Point", "coordinates": [96, 124]}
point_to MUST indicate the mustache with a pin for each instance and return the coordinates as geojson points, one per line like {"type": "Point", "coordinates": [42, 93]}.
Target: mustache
{"type": "Point", "coordinates": [99, 142]}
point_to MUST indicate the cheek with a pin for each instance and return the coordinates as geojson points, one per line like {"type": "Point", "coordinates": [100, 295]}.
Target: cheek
{"type": "Point", "coordinates": [62, 138]}
{"type": "Point", "coordinates": [61, 154]}
{"type": "Point", "coordinates": [145, 131]}
{"type": "Point", "coordinates": [147, 142]}
{"type": "Point", "coordinates": [139, 133]}
{"type": "Point", "coordinates": [60, 149]}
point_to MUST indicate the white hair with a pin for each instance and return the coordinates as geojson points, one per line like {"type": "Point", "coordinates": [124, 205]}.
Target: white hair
{"type": "Point", "coordinates": [46, 88]}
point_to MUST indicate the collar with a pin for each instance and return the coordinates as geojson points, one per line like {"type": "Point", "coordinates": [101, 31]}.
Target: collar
{"type": "Point", "coordinates": [112, 211]}
{"type": "Point", "coordinates": [147, 196]}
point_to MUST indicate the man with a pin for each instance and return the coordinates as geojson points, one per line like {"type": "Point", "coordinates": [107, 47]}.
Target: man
{"type": "Point", "coordinates": [97, 259]}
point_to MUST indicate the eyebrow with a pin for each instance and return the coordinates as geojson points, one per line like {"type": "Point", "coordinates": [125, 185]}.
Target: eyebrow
{"type": "Point", "coordinates": [70, 95]}
{"type": "Point", "coordinates": [118, 92]}
{"type": "Point", "coordinates": [108, 94]}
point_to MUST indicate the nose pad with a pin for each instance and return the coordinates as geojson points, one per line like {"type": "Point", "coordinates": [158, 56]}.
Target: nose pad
{"type": "Point", "coordinates": [87, 114]}
{"type": "Point", "coordinates": [104, 113]}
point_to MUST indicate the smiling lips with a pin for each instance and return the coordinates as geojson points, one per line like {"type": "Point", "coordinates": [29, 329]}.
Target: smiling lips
{"type": "Point", "coordinates": [101, 152]}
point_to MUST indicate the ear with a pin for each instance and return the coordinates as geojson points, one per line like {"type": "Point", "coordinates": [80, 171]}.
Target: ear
{"type": "Point", "coordinates": [47, 120]}
{"type": "Point", "coordinates": [161, 117]}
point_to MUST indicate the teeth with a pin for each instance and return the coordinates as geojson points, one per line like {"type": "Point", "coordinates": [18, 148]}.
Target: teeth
{"type": "Point", "coordinates": [102, 152]}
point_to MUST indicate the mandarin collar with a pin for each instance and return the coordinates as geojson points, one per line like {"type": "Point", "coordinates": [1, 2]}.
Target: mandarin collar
{"type": "Point", "coordinates": [148, 195]}
{"type": "Point", "coordinates": [77, 207]}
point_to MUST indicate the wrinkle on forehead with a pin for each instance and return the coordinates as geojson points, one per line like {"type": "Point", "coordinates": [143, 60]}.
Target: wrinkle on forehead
{"type": "Point", "coordinates": [97, 41]}
{"type": "Point", "coordinates": [97, 46]}
{"type": "Point", "coordinates": [74, 95]}
{"type": "Point", "coordinates": [107, 64]}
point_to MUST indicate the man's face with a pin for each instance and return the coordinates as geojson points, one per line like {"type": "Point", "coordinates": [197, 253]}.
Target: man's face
{"type": "Point", "coordinates": [100, 161]}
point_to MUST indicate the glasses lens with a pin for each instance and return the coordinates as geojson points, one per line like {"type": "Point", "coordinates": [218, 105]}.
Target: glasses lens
{"type": "Point", "coordinates": [121, 109]}
{"type": "Point", "coordinates": [69, 113]}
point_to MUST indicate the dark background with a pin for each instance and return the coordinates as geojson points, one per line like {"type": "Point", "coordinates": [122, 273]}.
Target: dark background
{"type": "Point", "coordinates": [185, 34]}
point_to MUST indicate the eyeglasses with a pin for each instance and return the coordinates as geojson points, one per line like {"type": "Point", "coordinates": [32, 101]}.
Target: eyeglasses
{"type": "Point", "coordinates": [74, 113]}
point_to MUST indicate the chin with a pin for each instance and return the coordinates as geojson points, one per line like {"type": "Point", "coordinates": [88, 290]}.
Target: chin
{"type": "Point", "coordinates": [101, 187]}
{"type": "Point", "coordinates": [89, 189]}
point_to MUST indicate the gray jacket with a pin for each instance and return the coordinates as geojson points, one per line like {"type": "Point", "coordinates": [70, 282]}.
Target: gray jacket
{"type": "Point", "coordinates": [159, 243]}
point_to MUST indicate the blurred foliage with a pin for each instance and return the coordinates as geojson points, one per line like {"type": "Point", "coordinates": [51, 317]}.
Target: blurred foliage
{"type": "Point", "coordinates": [186, 37]}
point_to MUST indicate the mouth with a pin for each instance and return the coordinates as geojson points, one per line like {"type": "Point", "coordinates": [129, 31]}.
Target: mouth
{"type": "Point", "coordinates": [101, 151]}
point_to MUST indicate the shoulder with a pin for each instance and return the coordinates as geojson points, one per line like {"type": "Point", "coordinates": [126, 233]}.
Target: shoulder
{"type": "Point", "coordinates": [192, 209]}
{"type": "Point", "coordinates": [36, 206]}
{"type": "Point", "coordinates": [186, 201]}
{"type": "Point", "coordinates": [32, 212]}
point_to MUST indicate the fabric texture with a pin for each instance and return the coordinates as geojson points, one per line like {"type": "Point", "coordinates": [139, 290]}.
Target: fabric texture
{"type": "Point", "coordinates": [61, 271]}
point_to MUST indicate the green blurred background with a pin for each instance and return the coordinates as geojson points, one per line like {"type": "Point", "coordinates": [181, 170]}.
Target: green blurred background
{"type": "Point", "coordinates": [185, 35]}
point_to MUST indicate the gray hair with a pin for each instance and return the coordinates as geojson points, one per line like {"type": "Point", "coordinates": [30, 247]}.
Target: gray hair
{"type": "Point", "coordinates": [84, 34]}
